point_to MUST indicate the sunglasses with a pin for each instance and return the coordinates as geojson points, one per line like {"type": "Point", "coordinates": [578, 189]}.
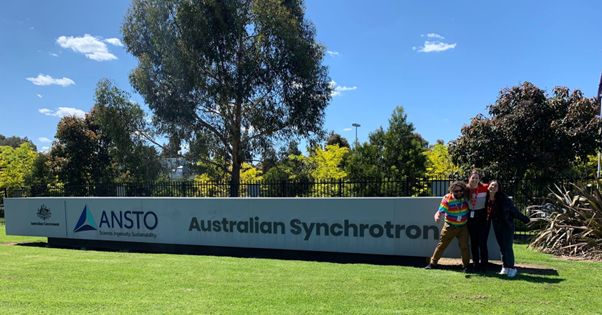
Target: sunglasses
{"type": "Point", "coordinates": [458, 191]}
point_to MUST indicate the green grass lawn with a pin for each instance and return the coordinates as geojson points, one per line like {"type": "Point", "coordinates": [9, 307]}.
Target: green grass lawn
{"type": "Point", "coordinates": [40, 280]}
{"type": "Point", "coordinates": [9, 239]}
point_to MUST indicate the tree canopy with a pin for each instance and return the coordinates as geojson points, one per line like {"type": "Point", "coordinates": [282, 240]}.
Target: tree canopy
{"type": "Point", "coordinates": [242, 73]}
{"type": "Point", "coordinates": [324, 164]}
{"type": "Point", "coordinates": [80, 156]}
{"type": "Point", "coordinates": [15, 165]}
{"type": "Point", "coordinates": [123, 123]}
{"type": "Point", "coordinates": [336, 139]}
{"type": "Point", "coordinates": [15, 142]}
{"type": "Point", "coordinates": [439, 163]}
{"type": "Point", "coordinates": [530, 133]}
{"type": "Point", "coordinates": [395, 153]}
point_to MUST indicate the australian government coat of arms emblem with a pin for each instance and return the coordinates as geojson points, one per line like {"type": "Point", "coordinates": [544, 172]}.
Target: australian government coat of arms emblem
{"type": "Point", "coordinates": [44, 213]}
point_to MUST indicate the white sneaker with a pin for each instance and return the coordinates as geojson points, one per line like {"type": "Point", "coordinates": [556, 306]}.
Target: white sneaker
{"type": "Point", "coordinates": [504, 271]}
{"type": "Point", "coordinates": [512, 272]}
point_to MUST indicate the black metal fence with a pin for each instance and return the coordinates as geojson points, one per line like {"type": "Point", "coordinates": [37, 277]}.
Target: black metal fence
{"type": "Point", "coordinates": [525, 192]}
{"type": "Point", "coordinates": [311, 189]}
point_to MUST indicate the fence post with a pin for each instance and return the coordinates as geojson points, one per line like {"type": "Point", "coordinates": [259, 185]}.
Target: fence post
{"type": "Point", "coordinates": [183, 188]}
{"type": "Point", "coordinates": [340, 187]}
{"type": "Point", "coordinates": [283, 188]}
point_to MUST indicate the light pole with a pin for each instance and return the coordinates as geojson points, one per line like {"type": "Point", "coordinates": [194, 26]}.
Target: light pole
{"type": "Point", "coordinates": [356, 125]}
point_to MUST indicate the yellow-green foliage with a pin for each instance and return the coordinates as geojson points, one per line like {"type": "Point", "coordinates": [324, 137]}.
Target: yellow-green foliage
{"type": "Point", "coordinates": [587, 166]}
{"type": "Point", "coordinates": [439, 162]}
{"type": "Point", "coordinates": [207, 187]}
{"type": "Point", "coordinates": [15, 165]}
{"type": "Point", "coordinates": [325, 164]}
{"type": "Point", "coordinates": [249, 173]}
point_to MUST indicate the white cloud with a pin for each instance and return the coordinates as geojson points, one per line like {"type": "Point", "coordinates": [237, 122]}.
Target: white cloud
{"type": "Point", "coordinates": [337, 89]}
{"type": "Point", "coordinates": [54, 55]}
{"type": "Point", "coordinates": [48, 80]}
{"type": "Point", "coordinates": [436, 47]}
{"type": "Point", "coordinates": [45, 149]}
{"type": "Point", "coordinates": [63, 112]}
{"type": "Point", "coordinates": [88, 45]}
{"type": "Point", "coordinates": [433, 35]}
{"type": "Point", "coordinates": [114, 41]}
{"type": "Point", "coordinates": [332, 53]}
{"type": "Point", "coordinates": [44, 139]}
{"type": "Point", "coordinates": [347, 129]}
{"type": "Point", "coordinates": [344, 88]}
{"type": "Point", "coordinates": [435, 44]}
{"type": "Point", "coordinates": [40, 96]}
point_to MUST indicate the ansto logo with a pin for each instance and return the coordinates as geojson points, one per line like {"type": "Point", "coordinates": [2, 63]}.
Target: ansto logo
{"type": "Point", "coordinates": [85, 222]}
{"type": "Point", "coordinates": [116, 219]}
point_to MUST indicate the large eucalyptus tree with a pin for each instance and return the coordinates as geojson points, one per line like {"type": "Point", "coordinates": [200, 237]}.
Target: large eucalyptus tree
{"type": "Point", "coordinates": [240, 74]}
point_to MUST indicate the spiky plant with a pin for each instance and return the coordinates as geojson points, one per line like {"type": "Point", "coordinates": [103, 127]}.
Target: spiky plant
{"type": "Point", "coordinates": [572, 223]}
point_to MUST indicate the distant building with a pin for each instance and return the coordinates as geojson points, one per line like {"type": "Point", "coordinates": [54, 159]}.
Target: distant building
{"type": "Point", "coordinates": [176, 168]}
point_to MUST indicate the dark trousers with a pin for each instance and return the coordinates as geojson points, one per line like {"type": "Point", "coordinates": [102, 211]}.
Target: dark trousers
{"type": "Point", "coordinates": [478, 229]}
{"type": "Point", "coordinates": [504, 235]}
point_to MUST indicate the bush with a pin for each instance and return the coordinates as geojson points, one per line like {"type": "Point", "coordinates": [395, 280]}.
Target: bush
{"type": "Point", "coordinates": [572, 223]}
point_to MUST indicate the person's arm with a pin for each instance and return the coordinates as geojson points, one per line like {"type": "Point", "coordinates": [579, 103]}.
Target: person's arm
{"type": "Point", "coordinates": [438, 216]}
{"type": "Point", "coordinates": [515, 213]}
{"type": "Point", "coordinates": [442, 209]}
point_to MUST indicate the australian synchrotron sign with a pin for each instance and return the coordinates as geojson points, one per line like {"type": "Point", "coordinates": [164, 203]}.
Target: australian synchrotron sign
{"type": "Point", "coordinates": [383, 226]}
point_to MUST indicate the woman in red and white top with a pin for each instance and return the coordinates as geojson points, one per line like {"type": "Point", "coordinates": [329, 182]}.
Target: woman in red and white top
{"type": "Point", "coordinates": [478, 225]}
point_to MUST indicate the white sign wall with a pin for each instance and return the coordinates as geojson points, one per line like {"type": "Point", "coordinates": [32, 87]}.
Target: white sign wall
{"type": "Point", "coordinates": [383, 226]}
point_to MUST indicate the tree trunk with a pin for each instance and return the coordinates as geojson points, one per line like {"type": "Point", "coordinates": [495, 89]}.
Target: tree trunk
{"type": "Point", "coordinates": [235, 182]}
{"type": "Point", "coordinates": [236, 166]}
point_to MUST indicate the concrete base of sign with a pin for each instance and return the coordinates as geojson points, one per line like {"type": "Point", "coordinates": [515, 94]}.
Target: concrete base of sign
{"type": "Point", "coordinates": [345, 258]}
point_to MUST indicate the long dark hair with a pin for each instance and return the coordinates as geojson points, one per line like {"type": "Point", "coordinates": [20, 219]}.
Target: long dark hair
{"type": "Point", "coordinates": [499, 195]}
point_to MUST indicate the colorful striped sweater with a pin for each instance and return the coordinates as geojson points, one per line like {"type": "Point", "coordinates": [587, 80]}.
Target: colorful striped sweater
{"type": "Point", "coordinates": [456, 210]}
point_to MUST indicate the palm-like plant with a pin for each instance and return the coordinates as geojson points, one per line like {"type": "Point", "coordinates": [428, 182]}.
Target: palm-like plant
{"type": "Point", "coordinates": [572, 222]}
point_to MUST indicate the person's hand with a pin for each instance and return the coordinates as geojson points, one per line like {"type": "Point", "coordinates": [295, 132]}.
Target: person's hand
{"type": "Point", "coordinates": [437, 216]}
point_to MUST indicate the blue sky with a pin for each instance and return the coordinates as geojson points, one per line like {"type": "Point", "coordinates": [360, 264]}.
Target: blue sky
{"type": "Point", "coordinates": [443, 61]}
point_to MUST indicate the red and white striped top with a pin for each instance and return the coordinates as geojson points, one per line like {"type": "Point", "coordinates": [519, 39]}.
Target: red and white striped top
{"type": "Point", "coordinates": [478, 197]}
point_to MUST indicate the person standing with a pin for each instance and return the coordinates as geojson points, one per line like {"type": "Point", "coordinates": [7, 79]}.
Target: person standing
{"type": "Point", "coordinates": [501, 212]}
{"type": "Point", "coordinates": [455, 208]}
{"type": "Point", "coordinates": [478, 225]}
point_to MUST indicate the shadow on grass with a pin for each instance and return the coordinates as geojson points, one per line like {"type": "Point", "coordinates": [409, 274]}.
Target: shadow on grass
{"type": "Point", "coordinates": [536, 274]}
{"type": "Point", "coordinates": [32, 244]}
{"type": "Point", "coordinates": [519, 277]}
{"type": "Point", "coordinates": [258, 253]}
{"type": "Point", "coordinates": [531, 273]}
